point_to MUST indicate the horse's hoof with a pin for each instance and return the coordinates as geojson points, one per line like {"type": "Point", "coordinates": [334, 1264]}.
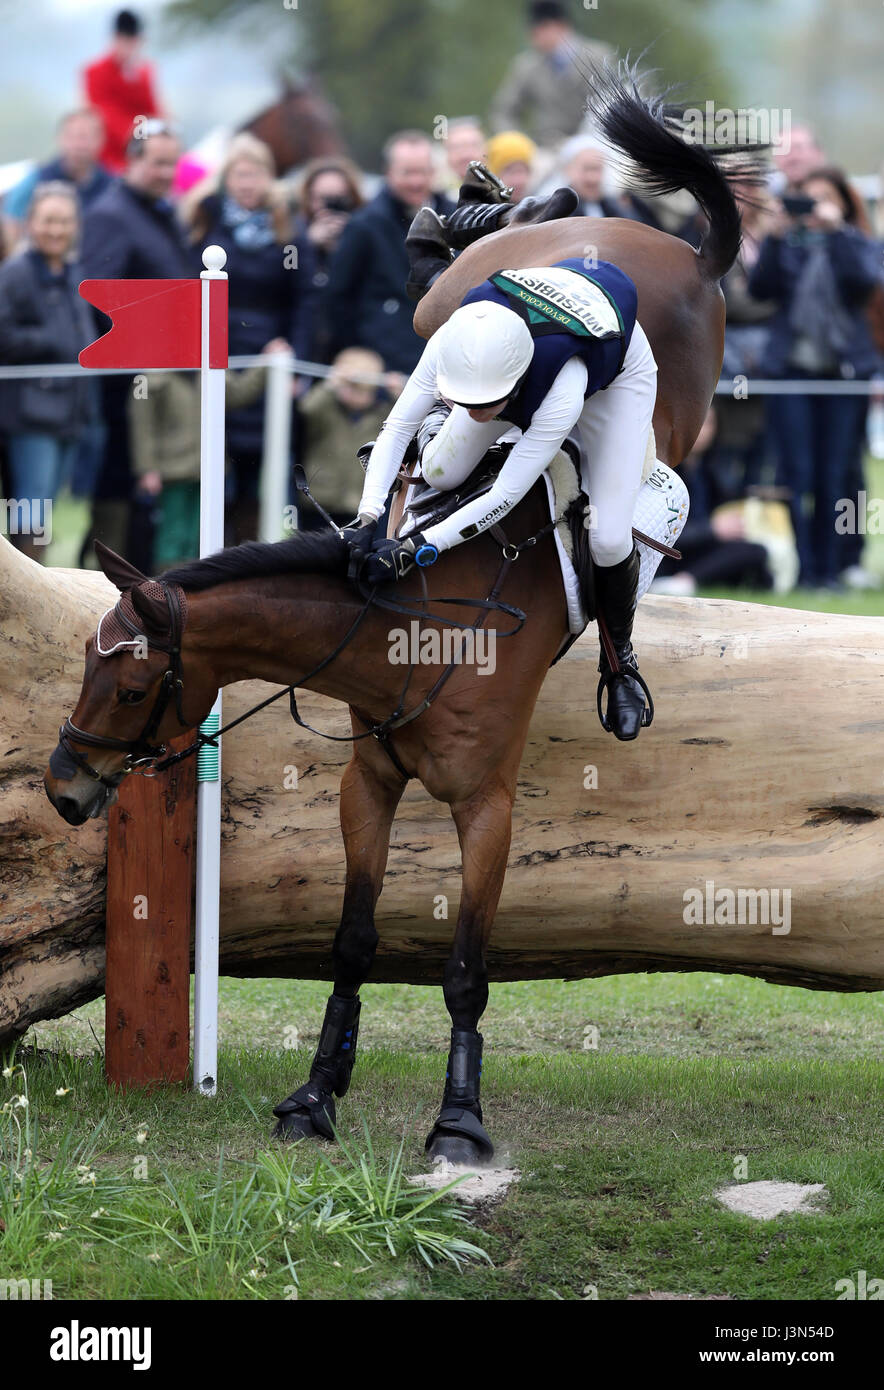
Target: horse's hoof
{"type": "Point", "coordinates": [308, 1113]}
{"type": "Point", "coordinates": [294, 1126]}
{"type": "Point", "coordinates": [459, 1137]}
{"type": "Point", "coordinates": [459, 1150]}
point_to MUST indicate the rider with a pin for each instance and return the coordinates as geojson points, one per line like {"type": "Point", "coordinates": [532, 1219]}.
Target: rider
{"type": "Point", "coordinates": [555, 350]}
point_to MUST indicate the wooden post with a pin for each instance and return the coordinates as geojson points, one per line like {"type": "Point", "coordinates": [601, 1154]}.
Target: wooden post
{"type": "Point", "coordinates": [150, 850]}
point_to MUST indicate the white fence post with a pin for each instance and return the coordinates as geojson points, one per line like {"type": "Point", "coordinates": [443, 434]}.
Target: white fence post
{"type": "Point", "coordinates": [274, 492]}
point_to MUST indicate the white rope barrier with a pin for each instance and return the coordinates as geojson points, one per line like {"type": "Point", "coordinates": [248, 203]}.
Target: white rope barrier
{"type": "Point", "coordinates": [740, 388]}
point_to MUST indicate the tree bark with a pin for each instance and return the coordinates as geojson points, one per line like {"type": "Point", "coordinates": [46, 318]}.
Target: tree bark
{"type": "Point", "coordinates": [762, 771]}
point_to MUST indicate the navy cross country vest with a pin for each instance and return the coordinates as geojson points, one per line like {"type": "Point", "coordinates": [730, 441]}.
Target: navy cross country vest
{"type": "Point", "coordinates": [563, 328]}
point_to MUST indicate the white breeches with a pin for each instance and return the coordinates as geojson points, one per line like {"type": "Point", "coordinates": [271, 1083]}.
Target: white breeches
{"type": "Point", "coordinates": [612, 434]}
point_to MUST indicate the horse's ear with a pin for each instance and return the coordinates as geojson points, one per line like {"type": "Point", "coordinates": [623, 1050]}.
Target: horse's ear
{"type": "Point", "coordinates": [118, 570]}
{"type": "Point", "coordinates": [155, 612]}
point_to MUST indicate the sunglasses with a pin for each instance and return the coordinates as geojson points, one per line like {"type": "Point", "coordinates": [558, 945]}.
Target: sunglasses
{"type": "Point", "coordinates": [476, 405]}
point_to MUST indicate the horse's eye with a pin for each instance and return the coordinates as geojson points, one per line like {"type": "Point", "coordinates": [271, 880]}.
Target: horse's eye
{"type": "Point", "coordinates": [131, 697]}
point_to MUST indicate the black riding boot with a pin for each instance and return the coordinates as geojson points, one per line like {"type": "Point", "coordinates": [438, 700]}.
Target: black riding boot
{"type": "Point", "coordinates": [472, 219]}
{"type": "Point", "coordinates": [616, 587]}
{"type": "Point", "coordinates": [429, 253]}
{"type": "Point", "coordinates": [562, 202]}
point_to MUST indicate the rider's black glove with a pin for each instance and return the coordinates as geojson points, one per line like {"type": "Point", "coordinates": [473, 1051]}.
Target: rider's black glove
{"type": "Point", "coordinates": [359, 535]}
{"type": "Point", "coordinates": [393, 559]}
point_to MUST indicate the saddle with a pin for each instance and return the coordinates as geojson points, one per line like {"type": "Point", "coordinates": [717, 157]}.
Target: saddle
{"type": "Point", "coordinates": [427, 506]}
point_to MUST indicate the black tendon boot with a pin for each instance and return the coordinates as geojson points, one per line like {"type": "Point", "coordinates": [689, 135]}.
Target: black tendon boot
{"type": "Point", "coordinates": [616, 588]}
{"type": "Point", "coordinates": [311, 1110]}
{"type": "Point", "coordinates": [458, 1134]}
{"type": "Point", "coordinates": [429, 253]}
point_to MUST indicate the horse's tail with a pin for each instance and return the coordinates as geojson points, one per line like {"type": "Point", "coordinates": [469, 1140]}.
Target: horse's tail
{"type": "Point", "coordinates": [645, 130]}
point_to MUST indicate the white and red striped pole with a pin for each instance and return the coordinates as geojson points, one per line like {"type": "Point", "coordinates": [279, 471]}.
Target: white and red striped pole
{"type": "Point", "coordinates": [213, 362]}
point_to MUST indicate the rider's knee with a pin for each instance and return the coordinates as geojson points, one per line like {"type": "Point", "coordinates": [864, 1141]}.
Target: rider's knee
{"type": "Point", "coordinates": [608, 546]}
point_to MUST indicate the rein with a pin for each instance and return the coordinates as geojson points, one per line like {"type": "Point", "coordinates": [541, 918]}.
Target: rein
{"type": "Point", "coordinates": [149, 760]}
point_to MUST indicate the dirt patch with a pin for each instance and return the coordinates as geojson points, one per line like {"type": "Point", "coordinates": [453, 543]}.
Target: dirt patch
{"type": "Point", "coordinates": [484, 1187]}
{"type": "Point", "coordinates": [765, 1200]}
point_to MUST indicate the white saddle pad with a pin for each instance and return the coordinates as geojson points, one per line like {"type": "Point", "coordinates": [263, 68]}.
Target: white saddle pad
{"type": "Point", "coordinates": [661, 511]}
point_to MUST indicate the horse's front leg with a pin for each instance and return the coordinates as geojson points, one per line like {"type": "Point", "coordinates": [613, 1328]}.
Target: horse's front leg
{"type": "Point", "coordinates": [484, 827]}
{"type": "Point", "coordinates": [369, 798]}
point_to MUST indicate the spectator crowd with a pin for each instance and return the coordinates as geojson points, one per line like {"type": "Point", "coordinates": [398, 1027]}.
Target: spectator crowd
{"type": "Point", "coordinates": [317, 268]}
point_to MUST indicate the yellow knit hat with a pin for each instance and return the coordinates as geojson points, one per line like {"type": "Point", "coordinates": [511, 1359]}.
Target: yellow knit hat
{"type": "Point", "coordinates": [509, 147]}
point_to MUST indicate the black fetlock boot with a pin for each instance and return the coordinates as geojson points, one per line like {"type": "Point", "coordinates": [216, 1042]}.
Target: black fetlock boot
{"type": "Point", "coordinates": [616, 587]}
{"type": "Point", "coordinates": [310, 1110]}
{"type": "Point", "coordinates": [429, 253]}
{"type": "Point", "coordinates": [458, 1134]}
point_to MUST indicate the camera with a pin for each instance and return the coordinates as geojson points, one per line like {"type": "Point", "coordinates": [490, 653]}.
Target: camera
{"type": "Point", "coordinates": [798, 204]}
{"type": "Point", "coordinates": [339, 204]}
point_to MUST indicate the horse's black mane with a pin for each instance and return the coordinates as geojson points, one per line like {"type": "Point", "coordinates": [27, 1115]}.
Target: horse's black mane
{"type": "Point", "coordinates": [319, 552]}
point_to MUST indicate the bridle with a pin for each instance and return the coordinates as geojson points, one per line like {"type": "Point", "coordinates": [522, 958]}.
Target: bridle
{"type": "Point", "coordinates": [141, 752]}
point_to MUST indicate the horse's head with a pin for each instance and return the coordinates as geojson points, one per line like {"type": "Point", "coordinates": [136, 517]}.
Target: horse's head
{"type": "Point", "coordinates": [131, 697]}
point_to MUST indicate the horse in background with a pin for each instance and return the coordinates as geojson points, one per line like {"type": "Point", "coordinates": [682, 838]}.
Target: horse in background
{"type": "Point", "coordinates": [300, 126]}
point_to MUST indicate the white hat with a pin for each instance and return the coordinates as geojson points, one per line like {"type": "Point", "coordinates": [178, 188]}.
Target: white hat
{"type": "Point", "coordinates": [484, 349]}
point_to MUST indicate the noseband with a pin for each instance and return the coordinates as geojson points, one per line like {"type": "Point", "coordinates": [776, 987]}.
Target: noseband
{"type": "Point", "coordinates": [140, 751]}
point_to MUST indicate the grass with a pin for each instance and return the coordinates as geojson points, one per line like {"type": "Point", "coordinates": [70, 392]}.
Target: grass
{"type": "Point", "coordinates": [625, 1102]}
{"type": "Point", "coordinates": [621, 1147]}
{"type": "Point", "coordinates": [689, 1015]}
{"type": "Point", "coordinates": [168, 1195]}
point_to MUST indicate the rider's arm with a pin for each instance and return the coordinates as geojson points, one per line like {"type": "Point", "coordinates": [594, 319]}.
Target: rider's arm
{"type": "Point", "coordinates": [552, 422]}
{"type": "Point", "coordinates": [457, 448]}
{"type": "Point", "coordinates": [402, 422]}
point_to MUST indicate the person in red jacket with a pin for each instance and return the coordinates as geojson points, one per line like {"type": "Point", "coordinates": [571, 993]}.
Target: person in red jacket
{"type": "Point", "coordinates": [121, 87]}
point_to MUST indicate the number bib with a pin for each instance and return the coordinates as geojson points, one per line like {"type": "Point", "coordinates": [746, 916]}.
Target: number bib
{"type": "Point", "coordinates": [556, 300]}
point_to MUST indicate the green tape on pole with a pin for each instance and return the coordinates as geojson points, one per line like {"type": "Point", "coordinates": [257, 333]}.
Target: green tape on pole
{"type": "Point", "coordinates": [207, 759]}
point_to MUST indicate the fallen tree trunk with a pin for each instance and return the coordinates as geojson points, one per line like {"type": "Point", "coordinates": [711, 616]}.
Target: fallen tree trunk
{"type": "Point", "coordinates": [762, 772]}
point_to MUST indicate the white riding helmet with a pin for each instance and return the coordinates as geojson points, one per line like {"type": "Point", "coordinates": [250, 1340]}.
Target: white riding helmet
{"type": "Point", "coordinates": [484, 349]}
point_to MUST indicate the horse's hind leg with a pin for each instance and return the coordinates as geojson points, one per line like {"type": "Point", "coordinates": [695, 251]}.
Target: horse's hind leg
{"type": "Point", "coordinates": [484, 827]}
{"type": "Point", "coordinates": [368, 804]}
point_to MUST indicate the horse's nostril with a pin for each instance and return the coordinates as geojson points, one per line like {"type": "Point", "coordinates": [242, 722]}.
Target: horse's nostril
{"type": "Point", "coordinates": [70, 810]}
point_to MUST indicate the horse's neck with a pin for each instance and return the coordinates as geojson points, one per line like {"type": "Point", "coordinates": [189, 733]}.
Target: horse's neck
{"type": "Point", "coordinates": [278, 629]}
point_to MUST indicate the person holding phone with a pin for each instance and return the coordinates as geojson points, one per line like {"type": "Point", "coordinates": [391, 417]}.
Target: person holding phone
{"type": "Point", "coordinates": [820, 269]}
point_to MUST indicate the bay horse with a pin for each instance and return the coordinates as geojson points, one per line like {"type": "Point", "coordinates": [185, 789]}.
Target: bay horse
{"type": "Point", "coordinates": [300, 126]}
{"type": "Point", "coordinates": [287, 613]}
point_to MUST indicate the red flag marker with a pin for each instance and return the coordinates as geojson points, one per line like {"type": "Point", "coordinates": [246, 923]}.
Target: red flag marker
{"type": "Point", "coordinates": [156, 323]}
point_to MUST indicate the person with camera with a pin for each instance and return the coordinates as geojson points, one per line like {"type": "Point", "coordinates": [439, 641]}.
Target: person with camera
{"type": "Point", "coordinates": [820, 270]}
{"type": "Point", "coordinates": [329, 193]}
